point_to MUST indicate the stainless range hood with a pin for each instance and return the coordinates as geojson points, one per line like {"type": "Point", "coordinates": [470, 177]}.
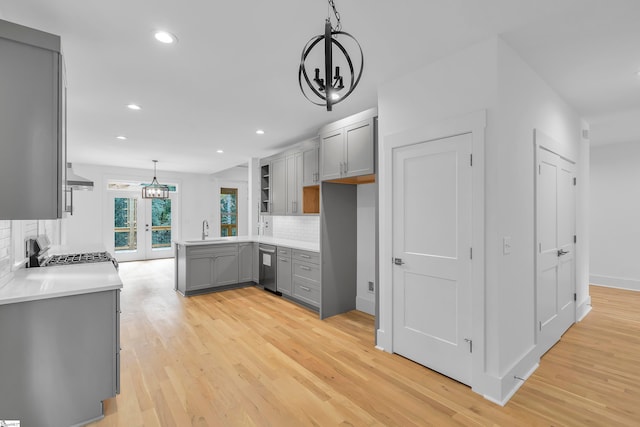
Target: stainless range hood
{"type": "Point", "coordinates": [77, 182]}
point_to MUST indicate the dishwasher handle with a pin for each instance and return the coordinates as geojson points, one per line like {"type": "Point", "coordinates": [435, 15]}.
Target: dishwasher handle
{"type": "Point", "coordinates": [269, 251]}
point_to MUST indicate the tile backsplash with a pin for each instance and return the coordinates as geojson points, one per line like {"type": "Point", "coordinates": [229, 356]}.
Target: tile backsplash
{"type": "Point", "coordinates": [303, 228]}
{"type": "Point", "coordinates": [13, 235]}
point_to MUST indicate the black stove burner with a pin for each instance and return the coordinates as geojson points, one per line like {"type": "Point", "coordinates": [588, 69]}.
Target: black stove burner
{"type": "Point", "coordinates": [84, 258]}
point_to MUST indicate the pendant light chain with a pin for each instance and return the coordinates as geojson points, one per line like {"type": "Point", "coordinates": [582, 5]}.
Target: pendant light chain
{"type": "Point", "coordinates": [337, 15]}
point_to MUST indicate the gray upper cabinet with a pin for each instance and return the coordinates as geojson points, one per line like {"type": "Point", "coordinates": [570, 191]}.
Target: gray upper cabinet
{"type": "Point", "coordinates": [348, 151]}
{"type": "Point", "coordinates": [278, 186]}
{"type": "Point", "coordinates": [359, 149]}
{"type": "Point", "coordinates": [332, 151]}
{"type": "Point", "coordinates": [294, 184]}
{"type": "Point", "coordinates": [32, 149]}
{"type": "Point", "coordinates": [310, 166]}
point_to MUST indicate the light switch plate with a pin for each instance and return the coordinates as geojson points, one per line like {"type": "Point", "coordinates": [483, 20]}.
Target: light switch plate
{"type": "Point", "coordinates": [506, 245]}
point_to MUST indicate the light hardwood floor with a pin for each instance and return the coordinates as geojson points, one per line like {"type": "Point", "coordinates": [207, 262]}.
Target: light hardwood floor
{"type": "Point", "coordinates": [246, 357]}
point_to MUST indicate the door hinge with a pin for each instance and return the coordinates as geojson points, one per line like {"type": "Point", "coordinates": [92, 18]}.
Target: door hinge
{"type": "Point", "coordinates": [539, 169]}
{"type": "Point", "coordinates": [470, 253]}
{"type": "Point", "coordinates": [470, 159]}
{"type": "Point", "coordinates": [575, 297]}
{"type": "Point", "coordinates": [470, 341]}
{"type": "Point", "coordinates": [540, 325]}
{"type": "Point", "coordinates": [575, 239]}
{"type": "Point", "coordinates": [575, 180]}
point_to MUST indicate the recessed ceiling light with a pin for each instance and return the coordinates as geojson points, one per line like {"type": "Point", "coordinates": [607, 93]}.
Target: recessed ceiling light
{"type": "Point", "coordinates": [219, 151]}
{"type": "Point", "coordinates": [260, 132]}
{"type": "Point", "coordinates": [165, 37]}
{"type": "Point", "coordinates": [122, 137]}
{"type": "Point", "coordinates": [134, 107]}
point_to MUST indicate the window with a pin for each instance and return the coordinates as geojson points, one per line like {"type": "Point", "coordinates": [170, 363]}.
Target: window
{"type": "Point", "coordinates": [228, 212]}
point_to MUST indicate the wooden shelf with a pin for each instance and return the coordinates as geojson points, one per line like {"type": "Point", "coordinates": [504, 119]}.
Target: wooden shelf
{"type": "Point", "coordinates": [311, 199]}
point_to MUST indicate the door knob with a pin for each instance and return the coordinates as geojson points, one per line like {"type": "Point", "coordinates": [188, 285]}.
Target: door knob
{"type": "Point", "coordinates": [562, 252]}
{"type": "Point", "coordinates": [398, 261]}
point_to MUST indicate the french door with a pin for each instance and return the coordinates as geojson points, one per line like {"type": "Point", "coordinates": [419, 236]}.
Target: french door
{"type": "Point", "coordinates": [141, 228]}
{"type": "Point", "coordinates": [555, 264]}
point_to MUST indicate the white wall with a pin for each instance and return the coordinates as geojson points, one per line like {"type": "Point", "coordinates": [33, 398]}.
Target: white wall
{"type": "Point", "coordinates": [366, 268]}
{"type": "Point", "coordinates": [197, 201]}
{"type": "Point", "coordinates": [490, 76]}
{"type": "Point", "coordinates": [525, 102]}
{"type": "Point", "coordinates": [615, 215]}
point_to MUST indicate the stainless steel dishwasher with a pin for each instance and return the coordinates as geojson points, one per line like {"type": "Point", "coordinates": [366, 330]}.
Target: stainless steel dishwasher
{"type": "Point", "coordinates": [268, 264]}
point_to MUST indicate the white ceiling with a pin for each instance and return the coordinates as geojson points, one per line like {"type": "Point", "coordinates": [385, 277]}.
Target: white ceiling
{"type": "Point", "coordinates": [234, 69]}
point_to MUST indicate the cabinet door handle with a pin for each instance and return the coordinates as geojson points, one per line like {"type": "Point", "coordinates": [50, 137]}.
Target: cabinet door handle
{"type": "Point", "coordinates": [304, 267]}
{"type": "Point", "coordinates": [304, 288]}
{"type": "Point", "coordinates": [346, 167]}
{"type": "Point", "coordinates": [284, 260]}
{"type": "Point", "coordinates": [305, 256]}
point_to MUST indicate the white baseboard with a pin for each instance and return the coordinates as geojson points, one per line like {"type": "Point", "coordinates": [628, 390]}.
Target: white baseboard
{"type": "Point", "coordinates": [615, 282]}
{"type": "Point", "coordinates": [381, 339]}
{"type": "Point", "coordinates": [500, 389]}
{"type": "Point", "coordinates": [583, 309]}
{"type": "Point", "coordinates": [366, 305]}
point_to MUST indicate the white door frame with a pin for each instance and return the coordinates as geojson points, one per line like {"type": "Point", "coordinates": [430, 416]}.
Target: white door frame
{"type": "Point", "coordinates": [543, 142]}
{"type": "Point", "coordinates": [474, 123]}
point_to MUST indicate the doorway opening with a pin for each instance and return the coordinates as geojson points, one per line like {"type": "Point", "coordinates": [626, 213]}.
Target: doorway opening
{"type": "Point", "coordinates": [137, 228]}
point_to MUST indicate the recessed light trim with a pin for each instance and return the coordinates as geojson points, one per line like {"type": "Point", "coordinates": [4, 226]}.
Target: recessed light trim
{"type": "Point", "coordinates": [121, 137]}
{"type": "Point", "coordinates": [219, 151]}
{"type": "Point", "coordinates": [165, 37]}
{"type": "Point", "coordinates": [135, 107]}
{"type": "Point", "coordinates": [260, 132]}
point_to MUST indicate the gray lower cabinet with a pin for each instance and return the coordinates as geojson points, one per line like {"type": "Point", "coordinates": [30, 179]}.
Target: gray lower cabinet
{"type": "Point", "coordinates": [305, 269]}
{"type": "Point", "coordinates": [284, 279]}
{"type": "Point", "coordinates": [203, 268]}
{"type": "Point", "coordinates": [60, 358]}
{"type": "Point", "coordinates": [245, 258]}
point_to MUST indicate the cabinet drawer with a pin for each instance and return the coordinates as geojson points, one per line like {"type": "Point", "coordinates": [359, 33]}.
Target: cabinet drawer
{"type": "Point", "coordinates": [307, 292]}
{"type": "Point", "coordinates": [212, 249]}
{"type": "Point", "coordinates": [306, 271]}
{"type": "Point", "coordinates": [284, 252]}
{"type": "Point", "coordinates": [306, 256]}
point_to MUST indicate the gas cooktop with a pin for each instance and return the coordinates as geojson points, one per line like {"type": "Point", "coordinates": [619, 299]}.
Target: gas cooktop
{"type": "Point", "coordinates": [80, 258]}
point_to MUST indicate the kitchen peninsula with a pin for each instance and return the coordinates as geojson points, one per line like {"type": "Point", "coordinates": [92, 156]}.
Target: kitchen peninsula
{"type": "Point", "coordinates": [229, 262]}
{"type": "Point", "coordinates": [60, 335]}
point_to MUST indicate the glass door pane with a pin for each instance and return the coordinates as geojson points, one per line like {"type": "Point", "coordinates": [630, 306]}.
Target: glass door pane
{"type": "Point", "coordinates": [161, 216]}
{"type": "Point", "coordinates": [125, 224]}
{"type": "Point", "coordinates": [228, 212]}
{"type": "Point", "coordinates": [160, 223]}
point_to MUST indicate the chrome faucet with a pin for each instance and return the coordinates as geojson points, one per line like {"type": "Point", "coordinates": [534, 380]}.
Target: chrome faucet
{"type": "Point", "coordinates": [205, 229]}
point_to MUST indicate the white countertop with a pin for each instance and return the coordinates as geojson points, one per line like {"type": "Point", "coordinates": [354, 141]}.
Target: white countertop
{"type": "Point", "coordinates": [31, 284]}
{"type": "Point", "coordinates": [293, 244]}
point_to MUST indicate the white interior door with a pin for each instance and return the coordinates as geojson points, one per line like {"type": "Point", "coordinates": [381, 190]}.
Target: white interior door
{"type": "Point", "coordinates": [555, 284]}
{"type": "Point", "coordinates": [432, 237]}
{"type": "Point", "coordinates": [140, 228]}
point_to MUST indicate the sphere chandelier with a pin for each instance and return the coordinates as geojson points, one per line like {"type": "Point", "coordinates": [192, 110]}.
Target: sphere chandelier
{"type": "Point", "coordinates": [328, 91]}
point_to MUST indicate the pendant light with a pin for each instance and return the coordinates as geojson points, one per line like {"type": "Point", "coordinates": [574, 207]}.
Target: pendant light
{"type": "Point", "coordinates": [327, 90]}
{"type": "Point", "coordinates": [155, 190]}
